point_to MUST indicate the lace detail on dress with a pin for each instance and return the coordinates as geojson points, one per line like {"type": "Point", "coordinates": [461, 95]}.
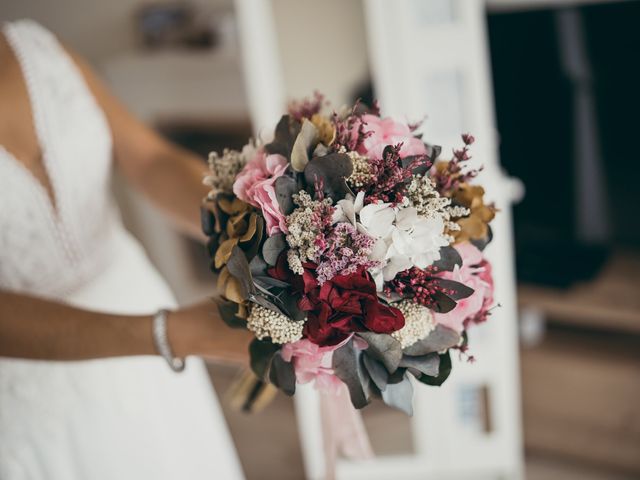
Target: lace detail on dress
{"type": "Point", "coordinates": [46, 250]}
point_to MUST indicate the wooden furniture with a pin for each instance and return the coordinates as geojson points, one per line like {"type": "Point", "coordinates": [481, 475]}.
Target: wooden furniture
{"type": "Point", "coordinates": [581, 385]}
{"type": "Point", "coordinates": [610, 302]}
{"type": "Point", "coordinates": [580, 399]}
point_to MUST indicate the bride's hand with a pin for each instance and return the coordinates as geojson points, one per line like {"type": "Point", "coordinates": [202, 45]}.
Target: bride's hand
{"type": "Point", "coordinates": [199, 330]}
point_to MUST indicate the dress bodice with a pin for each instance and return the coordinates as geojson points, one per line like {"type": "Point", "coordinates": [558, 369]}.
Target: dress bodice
{"type": "Point", "coordinates": [45, 249]}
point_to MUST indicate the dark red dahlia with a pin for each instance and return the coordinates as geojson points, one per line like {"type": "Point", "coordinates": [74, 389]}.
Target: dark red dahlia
{"type": "Point", "coordinates": [340, 306]}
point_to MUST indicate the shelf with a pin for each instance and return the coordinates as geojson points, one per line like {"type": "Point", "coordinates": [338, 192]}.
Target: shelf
{"type": "Point", "coordinates": [579, 393]}
{"type": "Point", "coordinates": [611, 301]}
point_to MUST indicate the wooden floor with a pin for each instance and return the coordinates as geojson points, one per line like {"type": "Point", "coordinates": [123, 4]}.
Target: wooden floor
{"type": "Point", "coordinates": [268, 446]}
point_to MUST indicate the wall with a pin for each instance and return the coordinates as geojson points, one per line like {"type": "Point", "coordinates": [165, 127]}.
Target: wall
{"type": "Point", "coordinates": [95, 29]}
{"type": "Point", "coordinates": [323, 46]}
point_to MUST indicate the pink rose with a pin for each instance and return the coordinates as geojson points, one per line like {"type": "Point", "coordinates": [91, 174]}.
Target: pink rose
{"type": "Point", "coordinates": [255, 185]}
{"type": "Point", "coordinates": [475, 273]}
{"type": "Point", "coordinates": [387, 131]}
{"type": "Point", "coordinates": [312, 362]}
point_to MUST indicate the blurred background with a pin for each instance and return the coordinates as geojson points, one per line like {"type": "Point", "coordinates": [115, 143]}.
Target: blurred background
{"type": "Point", "coordinates": [560, 111]}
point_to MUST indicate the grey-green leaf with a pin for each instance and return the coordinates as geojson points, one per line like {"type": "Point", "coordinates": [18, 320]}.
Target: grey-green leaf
{"type": "Point", "coordinates": [400, 395]}
{"type": "Point", "coordinates": [332, 171]}
{"type": "Point", "coordinates": [376, 370]}
{"type": "Point", "coordinates": [285, 188]}
{"type": "Point", "coordinates": [282, 375]}
{"type": "Point", "coordinates": [424, 364]}
{"type": "Point", "coordinates": [258, 266]}
{"type": "Point", "coordinates": [261, 353]}
{"type": "Point", "coordinates": [444, 370]}
{"type": "Point", "coordinates": [384, 348]}
{"type": "Point", "coordinates": [228, 311]}
{"type": "Point", "coordinates": [272, 248]}
{"type": "Point", "coordinates": [239, 268]}
{"type": "Point", "coordinates": [438, 340]}
{"type": "Point", "coordinates": [449, 258]}
{"type": "Point", "coordinates": [347, 367]}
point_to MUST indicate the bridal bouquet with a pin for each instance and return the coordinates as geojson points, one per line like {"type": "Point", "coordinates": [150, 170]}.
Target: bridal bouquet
{"type": "Point", "coordinates": [351, 252]}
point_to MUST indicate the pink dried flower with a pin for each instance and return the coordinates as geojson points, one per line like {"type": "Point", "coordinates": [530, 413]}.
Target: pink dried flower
{"type": "Point", "coordinates": [255, 184]}
{"type": "Point", "coordinates": [449, 175]}
{"type": "Point", "coordinates": [307, 107]}
{"type": "Point", "coordinates": [475, 273]}
{"type": "Point", "coordinates": [418, 284]}
{"type": "Point", "coordinates": [312, 363]}
{"type": "Point", "coordinates": [350, 130]}
{"type": "Point", "coordinates": [345, 250]}
{"type": "Point", "coordinates": [388, 177]}
{"type": "Point", "coordinates": [468, 139]}
{"type": "Point", "coordinates": [382, 132]}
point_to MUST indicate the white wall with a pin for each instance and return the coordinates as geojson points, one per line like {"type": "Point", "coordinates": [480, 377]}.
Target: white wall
{"type": "Point", "coordinates": [94, 29]}
{"type": "Point", "coordinates": [323, 46]}
{"type": "Point", "coordinates": [97, 29]}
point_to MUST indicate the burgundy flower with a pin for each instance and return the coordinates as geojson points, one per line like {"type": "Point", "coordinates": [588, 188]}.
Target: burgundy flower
{"type": "Point", "coordinates": [340, 306]}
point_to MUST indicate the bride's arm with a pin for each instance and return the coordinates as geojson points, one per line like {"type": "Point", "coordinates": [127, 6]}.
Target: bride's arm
{"type": "Point", "coordinates": [170, 176]}
{"type": "Point", "coordinates": [41, 329]}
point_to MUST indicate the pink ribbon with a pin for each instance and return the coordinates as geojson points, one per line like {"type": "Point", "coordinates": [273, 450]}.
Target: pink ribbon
{"type": "Point", "coordinates": [343, 430]}
{"type": "Point", "coordinates": [342, 426]}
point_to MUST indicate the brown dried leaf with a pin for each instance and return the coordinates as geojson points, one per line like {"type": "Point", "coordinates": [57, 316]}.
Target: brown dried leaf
{"type": "Point", "coordinates": [232, 206]}
{"type": "Point", "coordinates": [224, 251]}
{"type": "Point", "coordinates": [243, 311]}
{"type": "Point", "coordinates": [223, 277]}
{"type": "Point", "coordinates": [236, 226]}
{"type": "Point", "coordinates": [234, 291]}
{"type": "Point", "coordinates": [304, 144]}
{"type": "Point", "coordinates": [326, 130]}
{"type": "Point", "coordinates": [250, 229]}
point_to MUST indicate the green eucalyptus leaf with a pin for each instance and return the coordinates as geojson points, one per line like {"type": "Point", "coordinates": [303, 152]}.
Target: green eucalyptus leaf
{"type": "Point", "coordinates": [239, 268]}
{"type": "Point", "coordinates": [263, 301]}
{"type": "Point", "coordinates": [433, 151]}
{"type": "Point", "coordinates": [285, 187]}
{"type": "Point", "coordinates": [347, 367]}
{"type": "Point", "coordinates": [289, 305]}
{"type": "Point", "coordinates": [208, 221]}
{"type": "Point", "coordinates": [262, 353]}
{"type": "Point", "coordinates": [251, 248]}
{"type": "Point", "coordinates": [449, 258]}
{"type": "Point", "coordinates": [332, 171]}
{"type": "Point", "coordinates": [282, 375]}
{"type": "Point", "coordinates": [444, 370]}
{"type": "Point", "coordinates": [228, 311]}
{"type": "Point", "coordinates": [384, 348]}
{"type": "Point", "coordinates": [272, 248]}
{"type": "Point", "coordinates": [441, 338]}
{"type": "Point", "coordinates": [285, 135]}
{"type": "Point", "coordinates": [269, 282]}
{"type": "Point", "coordinates": [376, 370]}
{"type": "Point", "coordinates": [424, 364]}
{"type": "Point", "coordinates": [399, 395]}
{"type": "Point", "coordinates": [258, 266]}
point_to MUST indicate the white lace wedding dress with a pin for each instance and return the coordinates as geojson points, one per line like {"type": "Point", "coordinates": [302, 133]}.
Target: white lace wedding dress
{"type": "Point", "coordinates": [105, 419]}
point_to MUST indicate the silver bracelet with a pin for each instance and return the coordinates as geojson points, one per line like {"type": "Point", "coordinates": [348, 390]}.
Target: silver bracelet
{"type": "Point", "coordinates": [162, 342]}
